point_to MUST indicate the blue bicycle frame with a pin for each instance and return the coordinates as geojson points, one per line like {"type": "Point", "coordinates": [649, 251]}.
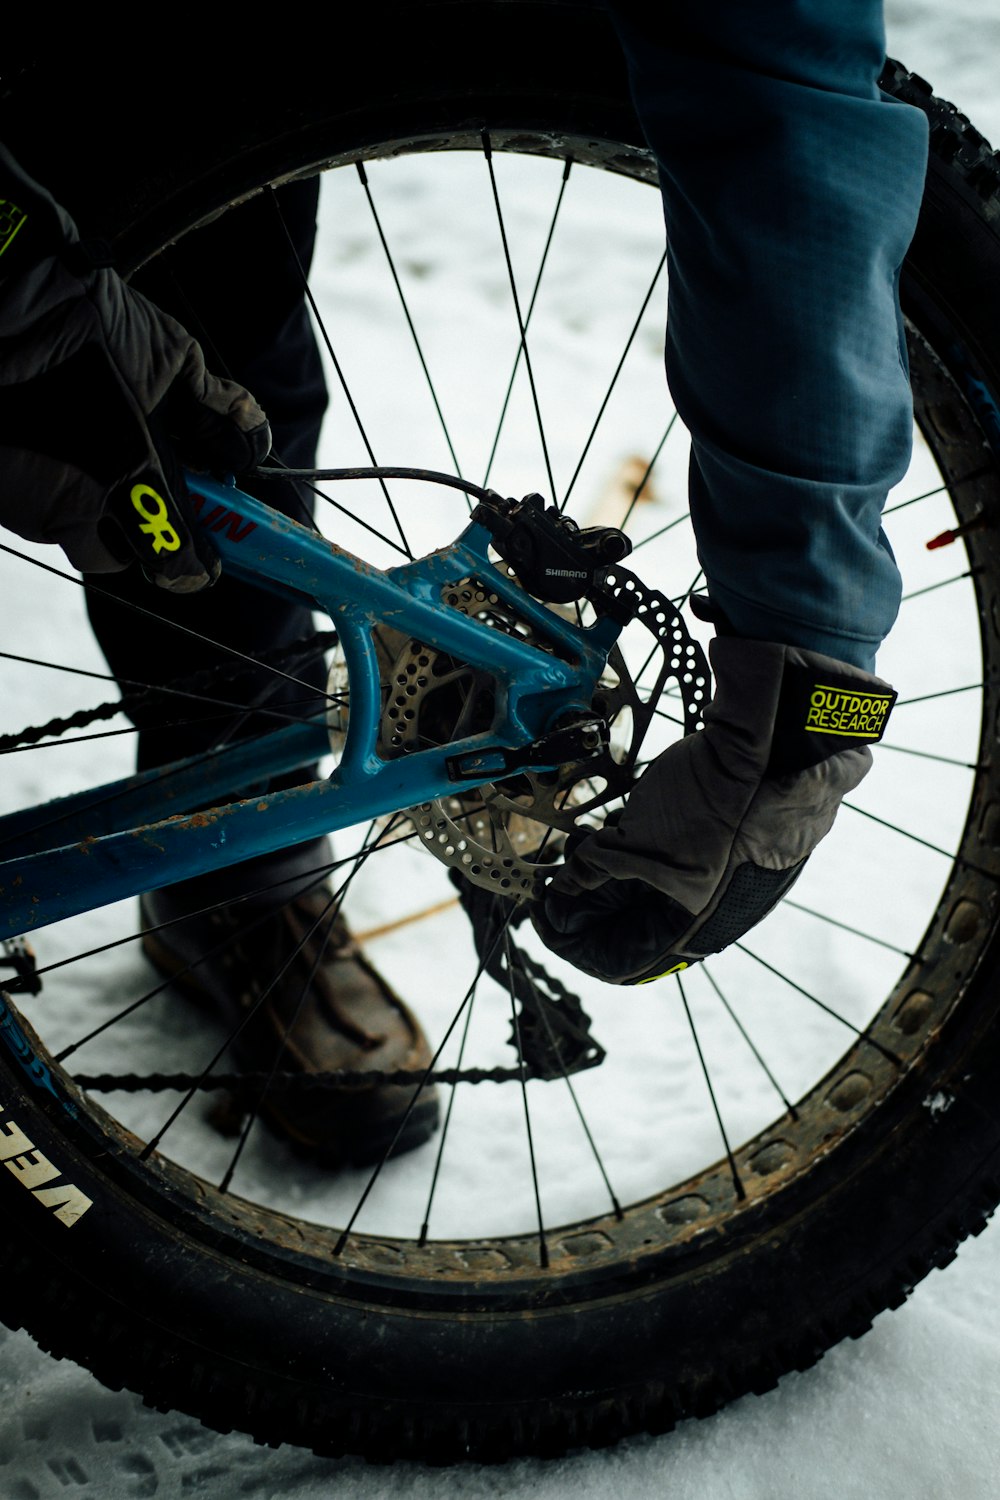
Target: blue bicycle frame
{"type": "Point", "coordinates": [138, 834]}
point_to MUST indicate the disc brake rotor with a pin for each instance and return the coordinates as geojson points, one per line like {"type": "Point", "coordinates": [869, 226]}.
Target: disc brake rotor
{"type": "Point", "coordinates": [501, 836]}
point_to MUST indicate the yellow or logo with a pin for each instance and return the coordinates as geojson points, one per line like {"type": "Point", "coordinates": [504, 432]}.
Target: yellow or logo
{"type": "Point", "coordinates": [155, 523]}
{"type": "Point", "coordinates": [11, 220]}
{"type": "Point", "coordinates": [838, 711]}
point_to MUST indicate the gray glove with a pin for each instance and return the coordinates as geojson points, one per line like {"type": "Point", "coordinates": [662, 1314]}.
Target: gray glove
{"type": "Point", "coordinates": [102, 398]}
{"type": "Point", "coordinates": [720, 825]}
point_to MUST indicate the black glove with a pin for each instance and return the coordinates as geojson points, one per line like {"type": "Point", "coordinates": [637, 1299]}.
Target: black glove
{"type": "Point", "coordinates": [102, 398]}
{"type": "Point", "coordinates": [720, 825]}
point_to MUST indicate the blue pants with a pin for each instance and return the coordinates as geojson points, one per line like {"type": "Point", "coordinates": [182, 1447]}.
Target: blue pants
{"type": "Point", "coordinates": [791, 188]}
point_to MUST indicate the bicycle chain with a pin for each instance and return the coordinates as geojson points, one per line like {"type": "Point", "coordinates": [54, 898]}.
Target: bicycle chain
{"type": "Point", "coordinates": [341, 1078]}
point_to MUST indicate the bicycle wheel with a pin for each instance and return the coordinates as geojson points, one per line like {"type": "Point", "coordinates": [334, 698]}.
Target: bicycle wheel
{"type": "Point", "coordinates": [516, 1329]}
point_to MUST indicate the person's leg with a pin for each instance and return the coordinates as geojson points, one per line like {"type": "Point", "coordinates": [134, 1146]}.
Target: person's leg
{"type": "Point", "coordinates": [791, 190]}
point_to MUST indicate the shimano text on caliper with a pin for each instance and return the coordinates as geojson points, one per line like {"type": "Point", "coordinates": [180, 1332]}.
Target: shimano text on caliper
{"type": "Point", "coordinates": [554, 559]}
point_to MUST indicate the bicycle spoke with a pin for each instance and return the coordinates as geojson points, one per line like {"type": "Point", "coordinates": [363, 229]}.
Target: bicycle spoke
{"type": "Point", "coordinates": [212, 952]}
{"type": "Point", "coordinates": [522, 331]}
{"type": "Point", "coordinates": [905, 832]}
{"type": "Point", "coordinates": [623, 523]}
{"type": "Point", "coordinates": [661, 713]}
{"type": "Point", "coordinates": [942, 489]}
{"type": "Point", "coordinates": [789, 1106]}
{"type": "Point", "coordinates": [66, 1052]}
{"type": "Point", "coordinates": [153, 1143]}
{"type": "Point", "coordinates": [308, 477]}
{"type": "Point", "coordinates": [655, 536]}
{"type": "Point", "coordinates": [218, 362]}
{"type": "Point", "coordinates": [175, 625]}
{"type": "Point", "coordinates": [858, 1031]}
{"type": "Point", "coordinates": [363, 175]}
{"type": "Point", "coordinates": [614, 380]}
{"type": "Point", "coordinates": [527, 320]}
{"type": "Point", "coordinates": [148, 687]}
{"type": "Point", "coordinates": [445, 1128]}
{"type": "Point", "coordinates": [486, 959]}
{"type": "Point", "coordinates": [969, 687]}
{"type": "Point", "coordinates": [305, 516]}
{"type": "Point", "coordinates": [331, 910]}
{"type": "Point", "coordinates": [931, 588]}
{"type": "Point", "coordinates": [107, 734]}
{"type": "Point", "coordinates": [245, 1020]}
{"type": "Point", "coordinates": [328, 342]}
{"type": "Point", "coordinates": [638, 676]}
{"type": "Point", "coordinates": [738, 1187]}
{"type": "Point", "coordinates": [944, 760]}
{"type": "Point", "coordinates": [542, 1004]}
{"type": "Point", "coordinates": [314, 877]}
{"type": "Point", "coordinates": [869, 937]}
{"type": "Point", "coordinates": [225, 715]}
{"type": "Point", "coordinates": [682, 599]}
{"type": "Point", "coordinates": [319, 871]}
{"type": "Point", "coordinates": [543, 1249]}
{"type": "Point", "coordinates": [956, 856]}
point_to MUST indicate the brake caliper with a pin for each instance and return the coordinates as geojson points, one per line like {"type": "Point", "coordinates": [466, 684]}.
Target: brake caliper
{"type": "Point", "coordinates": [556, 560]}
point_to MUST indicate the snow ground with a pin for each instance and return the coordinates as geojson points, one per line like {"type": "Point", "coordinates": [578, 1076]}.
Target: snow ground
{"type": "Point", "coordinates": [910, 1410]}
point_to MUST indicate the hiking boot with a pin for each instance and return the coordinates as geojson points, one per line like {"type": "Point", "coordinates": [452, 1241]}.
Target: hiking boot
{"type": "Point", "coordinates": [283, 966]}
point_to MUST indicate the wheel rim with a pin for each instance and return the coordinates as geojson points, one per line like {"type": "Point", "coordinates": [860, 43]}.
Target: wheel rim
{"type": "Point", "coordinates": [851, 1085]}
